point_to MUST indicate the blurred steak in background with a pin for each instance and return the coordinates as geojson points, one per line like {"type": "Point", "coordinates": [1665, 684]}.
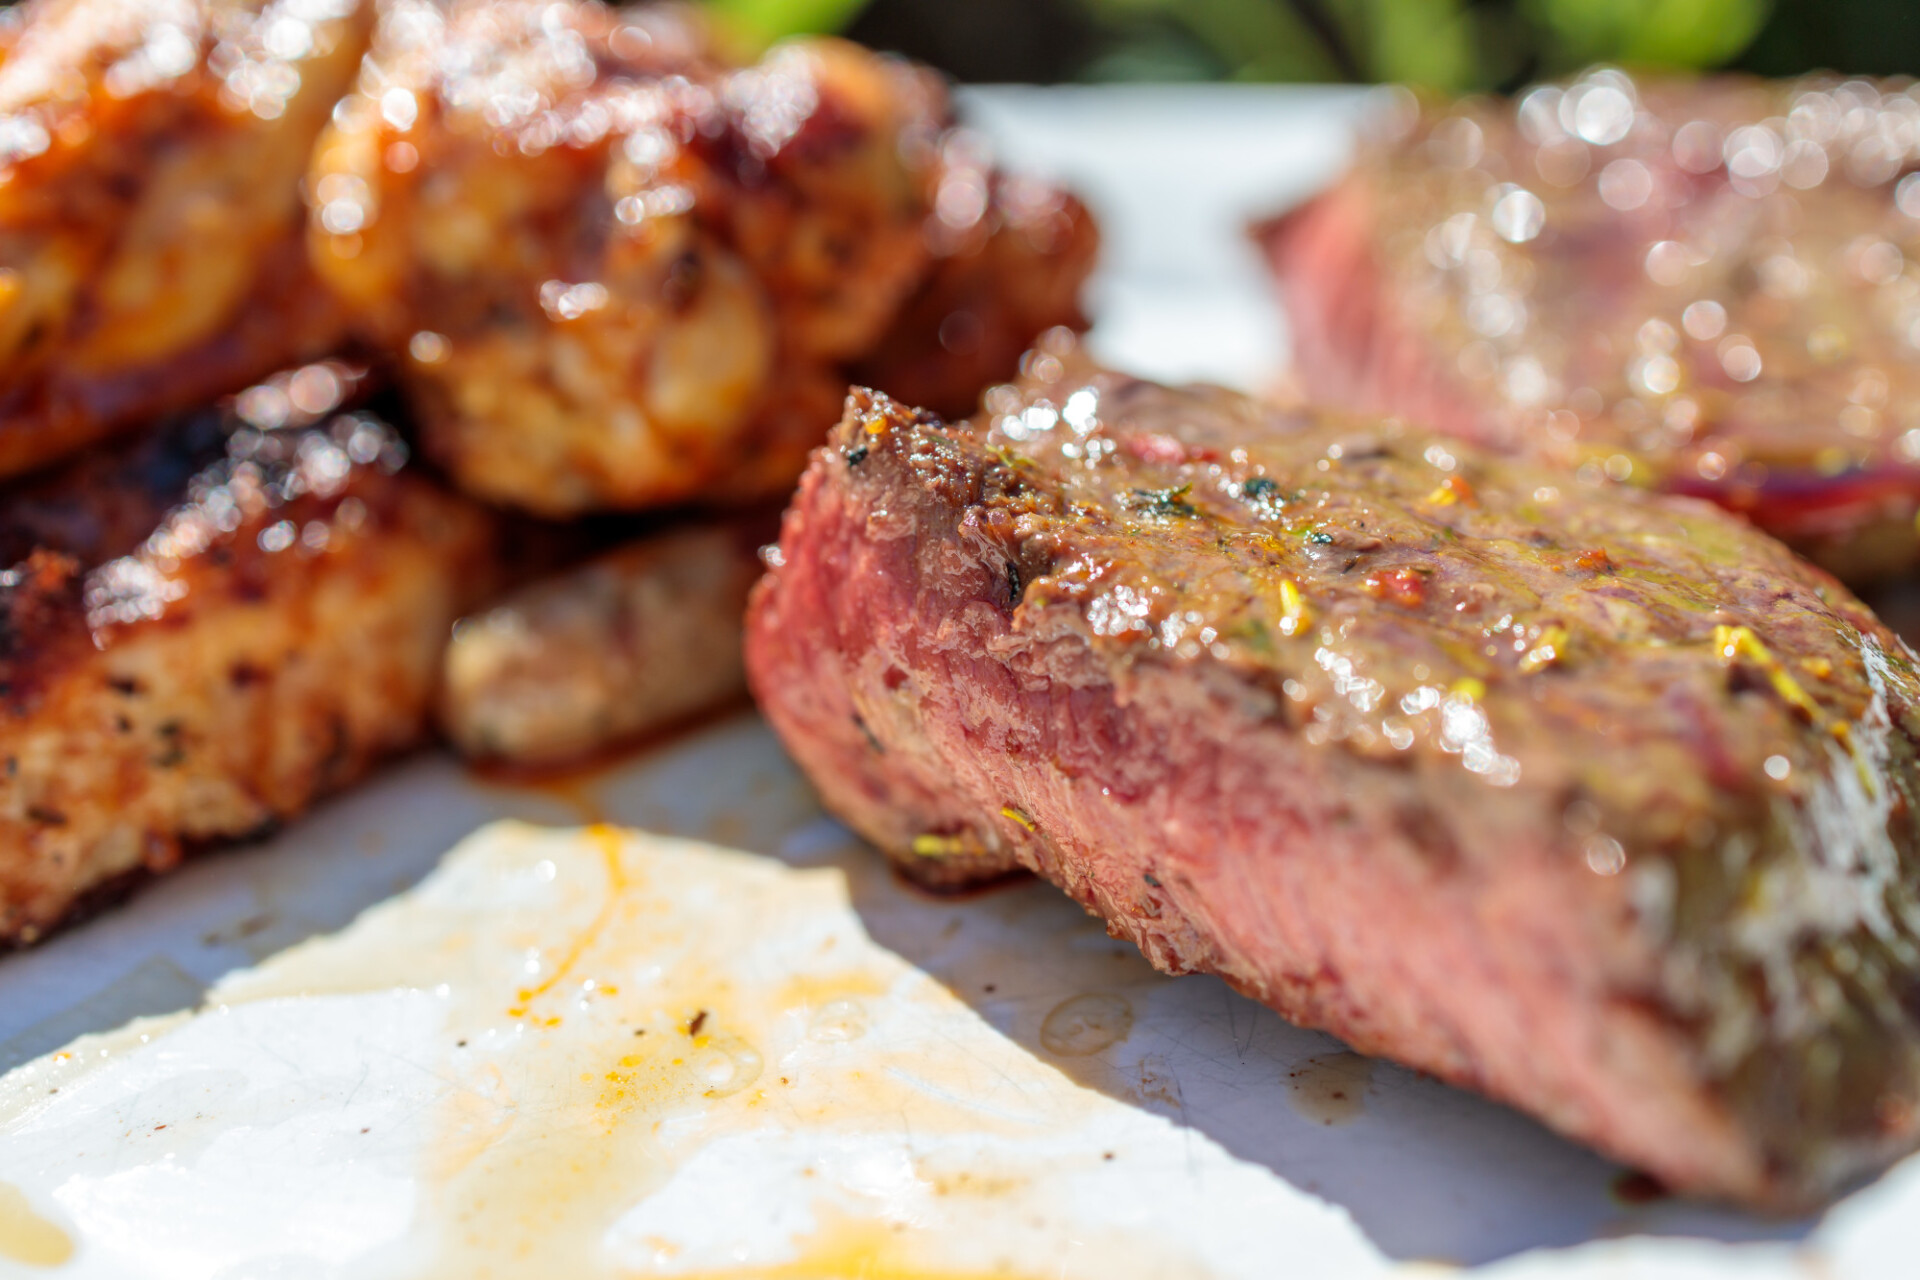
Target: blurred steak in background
{"type": "Point", "coordinates": [1706, 287]}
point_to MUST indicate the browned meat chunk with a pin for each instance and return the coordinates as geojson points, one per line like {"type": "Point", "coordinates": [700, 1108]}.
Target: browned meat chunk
{"type": "Point", "coordinates": [203, 632]}
{"type": "Point", "coordinates": [997, 284]}
{"type": "Point", "coordinates": [1709, 288]}
{"type": "Point", "coordinates": [629, 643]}
{"type": "Point", "coordinates": [1599, 802]}
{"type": "Point", "coordinates": [151, 230]}
{"type": "Point", "coordinates": [624, 272]}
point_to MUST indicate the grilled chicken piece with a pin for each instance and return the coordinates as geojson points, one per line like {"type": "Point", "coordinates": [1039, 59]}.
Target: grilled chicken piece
{"type": "Point", "coordinates": [623, 272]}
{"type": "Point", "coordinates": [151, 228]}
{"type": "Point", "coordinates": [1705, 287]}
{"type": "Point", "coordinates": [999, 280]}
{"type": "Point", "coordinates": [203, 632]}
{"type": "Point", "coordinates": [629, 643]}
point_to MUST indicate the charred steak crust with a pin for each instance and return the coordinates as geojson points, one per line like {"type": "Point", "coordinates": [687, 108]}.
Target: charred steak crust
{"type": "Point", "coordinates": [1596, 801]}
{"type": "Point", "coordinates": [1707, 287]}
{"type": "Point", "coordinates": [202, 632]}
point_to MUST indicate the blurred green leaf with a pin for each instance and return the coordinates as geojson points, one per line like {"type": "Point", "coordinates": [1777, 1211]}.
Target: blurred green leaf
{"type": "Point", "coordinates": [1452, 45]}
{"type": "Point", "coordinates": [1250, 39]}
{"type": "Point", "coordinates": [765, 21]}
{"type": "Point", "coordinates": [1429, 42]}
{"type": "Point", "coordinates": [1155, 55]}
{"type": "Point", "coordinates": [1666, 33]}
{"type": "Point", "coordinates": [1423, 42]}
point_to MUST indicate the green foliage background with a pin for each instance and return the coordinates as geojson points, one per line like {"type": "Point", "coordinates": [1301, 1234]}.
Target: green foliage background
{"type": "Point", "coordinates": [1456, 45]}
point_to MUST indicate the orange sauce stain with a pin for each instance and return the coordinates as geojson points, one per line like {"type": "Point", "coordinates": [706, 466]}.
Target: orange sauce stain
{"type": "Point", "coordinates": [808, 991]}
{"type": "Point", "coordinates": [607, 838]}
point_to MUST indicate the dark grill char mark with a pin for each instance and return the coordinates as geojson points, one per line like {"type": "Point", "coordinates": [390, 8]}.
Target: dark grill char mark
{"type": "Point", "coordinates": [1618, 828]}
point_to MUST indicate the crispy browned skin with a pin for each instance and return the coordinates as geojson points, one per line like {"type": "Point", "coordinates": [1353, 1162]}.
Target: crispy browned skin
{"type": "Point", "coordinates": [151, 252]}
{"type": "Point", "coordinates": [200, 634]}
{"type": "Point", "coordinates": [622, 271]}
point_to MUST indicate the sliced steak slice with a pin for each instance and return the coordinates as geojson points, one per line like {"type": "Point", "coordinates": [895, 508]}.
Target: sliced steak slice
{"type": "Point", "coordinates": [1703, 287]}
{"type": "Point", "coordinates": [203, 631]}
{"type": "Point", "coordinates": [1599, 802]}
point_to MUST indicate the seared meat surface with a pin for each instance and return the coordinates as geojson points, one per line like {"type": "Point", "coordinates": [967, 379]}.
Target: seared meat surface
{"type": "Point", "coordinates": [1708, 288]}
{"type": "Point", "coordinates": [623, 271]}
{"type": "Point", "coordinates": [151, 245]}
{"type": "Point", "coordinates": [202, 632]}
{"type": "Point", "coordinates": [1599, 802]}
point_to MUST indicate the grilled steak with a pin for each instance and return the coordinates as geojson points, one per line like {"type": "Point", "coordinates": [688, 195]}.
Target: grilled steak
{"type": "Point", "coordinates": [152, 253]}
{"type": "Point", "coordinates": [201, 633]}
{"type": "Point", "coordinates": [1708, 288]}
{"type": "Point", "coordinates": [1599, 802]}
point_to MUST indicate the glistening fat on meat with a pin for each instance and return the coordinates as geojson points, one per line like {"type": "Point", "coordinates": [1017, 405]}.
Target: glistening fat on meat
{"type": "Point", "coordinates": [1600, 802]}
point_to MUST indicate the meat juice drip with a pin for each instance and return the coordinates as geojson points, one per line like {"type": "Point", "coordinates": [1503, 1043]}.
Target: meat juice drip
{"type": "Point", "coordinates": [1084, 1025]}
{"type": "Point", "coordinates": [1331, 1088]}
{"type": "Point", "coordinates": [1636, 1189]}
{"type": "Point", "coordinates": [575, 786]}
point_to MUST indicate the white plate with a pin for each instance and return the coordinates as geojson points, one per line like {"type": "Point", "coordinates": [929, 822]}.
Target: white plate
{"type": "Point", "coordinates": [1426, 1172]}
